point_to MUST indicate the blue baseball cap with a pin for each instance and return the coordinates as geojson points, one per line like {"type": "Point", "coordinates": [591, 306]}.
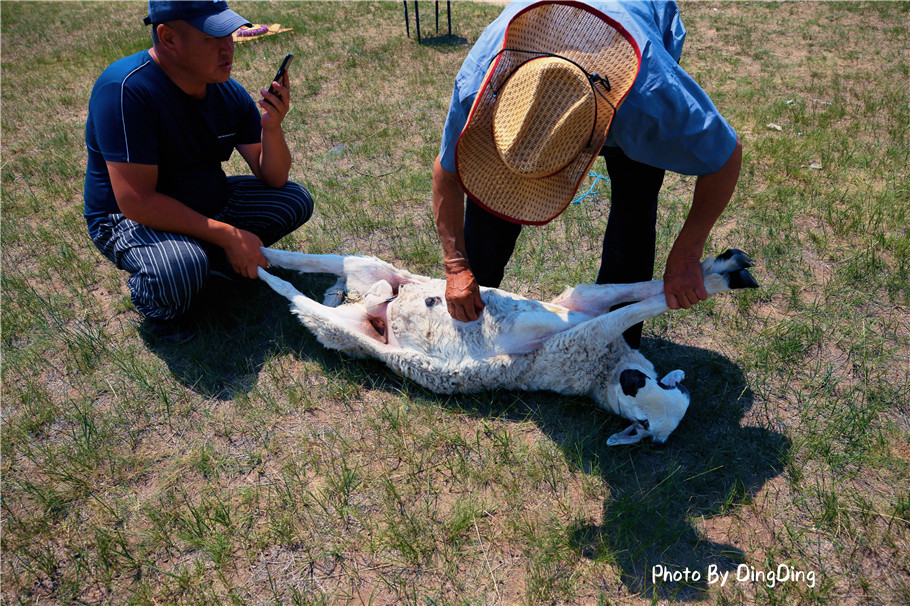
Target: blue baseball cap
{"type": "Point", "coordinates": [213, 18]}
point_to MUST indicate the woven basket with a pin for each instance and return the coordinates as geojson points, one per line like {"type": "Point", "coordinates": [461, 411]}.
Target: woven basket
{"type": "Point", "coordinates": [537, 124]}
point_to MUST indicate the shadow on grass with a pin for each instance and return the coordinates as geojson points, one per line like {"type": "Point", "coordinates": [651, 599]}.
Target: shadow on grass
{"type": "Point", "coordinates": [709, 466]}
{"type": "Point", "coordinates": [240, 326]}
{"type": "Point", "coordinates": [443, 41]}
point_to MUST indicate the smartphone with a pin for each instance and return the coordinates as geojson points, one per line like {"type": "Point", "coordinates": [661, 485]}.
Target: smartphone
{"type": "Point", "coordinates": [284, 67]}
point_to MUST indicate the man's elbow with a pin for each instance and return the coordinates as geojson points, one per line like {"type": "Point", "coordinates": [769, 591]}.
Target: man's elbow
{"type": "Point", "coordinates": [273, 176]}
{"type": "Point", "coordinates": [733, 164]}
{"type": "Point", "coordinates": [441, 175]}
{"type": "Point", "coordinates": [736, 157]}
{"type": "Point", "coordinates": [131, 206]}
{"type": "Point", "coordinates": [275, 182]}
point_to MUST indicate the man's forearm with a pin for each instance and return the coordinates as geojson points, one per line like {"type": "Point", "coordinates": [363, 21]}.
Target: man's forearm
{"type": "Point", "coordinates": [167, 214]}
{"type": "Point", "coordinates": [275, 158]}
{"type": "Point", "coordinates": [711, 196]}
{"type": "Point", "coordinates": [683, 280]}
{"type": "Point", "coordinates": [463, 299]}
{"type": "Point", "coordinates": [448, 211]}
{"type": "Point", "coordinates": [135, 190]}
{"type": "Point", "coordinates": [164, 213]}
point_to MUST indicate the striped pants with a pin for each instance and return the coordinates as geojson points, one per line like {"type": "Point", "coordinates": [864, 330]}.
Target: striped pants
{"type": "Point", "coordinates": [167, 270]}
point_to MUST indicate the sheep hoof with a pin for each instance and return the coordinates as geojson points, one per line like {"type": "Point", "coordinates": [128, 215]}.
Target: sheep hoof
{"type": "Point", "coordinates": [737, 258]}
{"type": "Point", "coordinates": [729, 261]}
{"type": "Point", "coordinates": [741, 279]}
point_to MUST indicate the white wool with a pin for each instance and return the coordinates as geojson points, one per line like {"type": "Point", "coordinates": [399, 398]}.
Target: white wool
{"type": "Point", "coordinates": [571, 346]}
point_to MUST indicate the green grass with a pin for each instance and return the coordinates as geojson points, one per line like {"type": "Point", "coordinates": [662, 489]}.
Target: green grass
{"type": "Point", "coordinates": [253, 466]}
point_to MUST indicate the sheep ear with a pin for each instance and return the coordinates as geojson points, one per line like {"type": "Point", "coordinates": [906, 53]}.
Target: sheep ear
{"type": "Point", "coordinates": [673, 377]}
{"type": "Point", "coordinates": [631, 435]}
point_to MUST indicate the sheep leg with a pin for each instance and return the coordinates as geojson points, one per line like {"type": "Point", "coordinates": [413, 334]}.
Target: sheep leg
{"type": "Point", "coordinates": [597, 299]}
{"type": "Point", "coordinates": [359, 273]}
{"type": "Point", "coordinates": [612, 324]}
{"type": "Point", "coordinates": [304, 263]}
{"type": "Point", "coordinates": [346, 328]}
{"type": "Point", "coordinates": [656, 305]}
{"type": "Point", "coordinates": [731, 260]}
{"type": "Point", "coordinates": [350, 316]}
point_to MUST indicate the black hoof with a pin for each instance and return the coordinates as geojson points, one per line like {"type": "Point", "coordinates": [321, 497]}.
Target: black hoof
{"type": "Point", "coordinates": [740, 259]}
{"type": "Point", "coordinates": [741, 279]}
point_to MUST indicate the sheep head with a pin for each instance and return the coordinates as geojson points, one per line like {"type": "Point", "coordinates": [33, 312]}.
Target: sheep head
{"type": "Point", "coordinates": [655, 407]}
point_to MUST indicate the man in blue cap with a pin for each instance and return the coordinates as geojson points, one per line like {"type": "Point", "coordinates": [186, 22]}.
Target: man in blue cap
{"type": "Point", "coordinates": [157, 201]}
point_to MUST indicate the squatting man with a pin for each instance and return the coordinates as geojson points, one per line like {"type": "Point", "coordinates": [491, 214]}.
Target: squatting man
{"type": "Point", "coordinates": [157, 202]}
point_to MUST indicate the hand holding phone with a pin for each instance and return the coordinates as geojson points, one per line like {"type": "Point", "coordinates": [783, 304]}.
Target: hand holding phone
{"type": "Point", "coordinates": [281, 71]}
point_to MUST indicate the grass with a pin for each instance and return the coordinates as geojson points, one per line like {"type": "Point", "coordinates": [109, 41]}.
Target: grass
{"type": "Point", "coordinates": [252, 466]}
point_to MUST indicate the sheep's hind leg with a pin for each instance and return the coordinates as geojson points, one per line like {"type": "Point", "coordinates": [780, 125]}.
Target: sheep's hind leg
{"type": "Point", "coordinates": [345, 328]}
{"type": "Point", "coordinates": [651, 307]}
{"type": "Point", "coordinates": [612, 324]}
{"type": "Point", "coordinates": [597, 299]}
{"type": "Point", "coordinates": [729, 261]}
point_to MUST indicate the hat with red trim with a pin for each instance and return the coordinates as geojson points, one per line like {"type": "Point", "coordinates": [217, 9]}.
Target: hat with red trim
{"type": "Point", "coordinates": [544, 108]}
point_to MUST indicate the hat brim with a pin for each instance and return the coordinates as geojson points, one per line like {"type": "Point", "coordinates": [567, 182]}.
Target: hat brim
{"type": "Point", "coordinates": [220, 24]}
{"type": "Point", "coordinates": [569, 29]}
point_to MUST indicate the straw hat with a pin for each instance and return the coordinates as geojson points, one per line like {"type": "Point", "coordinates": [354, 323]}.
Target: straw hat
{"type": "Point", "coordinates": [543, 111]}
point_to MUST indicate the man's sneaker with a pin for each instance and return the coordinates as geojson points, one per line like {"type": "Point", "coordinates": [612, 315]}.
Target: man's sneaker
{"type": "Point", "coordinates": [176, 330]}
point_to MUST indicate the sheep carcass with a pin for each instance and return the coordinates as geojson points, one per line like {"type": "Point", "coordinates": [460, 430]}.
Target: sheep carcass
{"type": "Point", "coordinates": [572, 345]}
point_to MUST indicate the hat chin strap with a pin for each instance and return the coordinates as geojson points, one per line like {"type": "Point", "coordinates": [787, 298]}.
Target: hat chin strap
{"type": "Point", "coordinates": [593, 79]}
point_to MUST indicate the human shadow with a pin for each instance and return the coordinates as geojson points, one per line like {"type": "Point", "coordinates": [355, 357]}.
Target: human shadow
{"type": "Point", "coordinates": [710, 466]}
{"type": "Point", "coordinates": [240, 325]}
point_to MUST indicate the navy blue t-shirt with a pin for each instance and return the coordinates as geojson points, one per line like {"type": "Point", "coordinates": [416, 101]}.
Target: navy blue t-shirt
{"type": "Point", "coordinates": [136, 114]}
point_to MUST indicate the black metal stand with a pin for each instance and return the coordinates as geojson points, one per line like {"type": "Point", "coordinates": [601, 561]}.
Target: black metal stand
{"type": "Point", "coordinates": [417, 19]}
{"type": "Point", "coordinates": [407, 24]}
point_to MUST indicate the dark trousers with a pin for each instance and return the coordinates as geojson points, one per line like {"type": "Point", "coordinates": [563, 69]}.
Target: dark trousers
{"type": "Point", "coordinates": [168, 270]}
{"type": "Point", "coordinates": [629, 239]}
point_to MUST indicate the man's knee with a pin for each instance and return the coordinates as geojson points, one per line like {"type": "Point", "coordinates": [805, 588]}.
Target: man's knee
{"type": "Point", "coordinates": [299, 203]}
{"type": "Point", "coordinates": [167, 277]}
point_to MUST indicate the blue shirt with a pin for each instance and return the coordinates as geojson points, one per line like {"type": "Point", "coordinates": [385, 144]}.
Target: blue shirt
{"type": "Point", "coordinates": [667, 120]}
{"type": "Point", "coordinates": [136, 114]}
